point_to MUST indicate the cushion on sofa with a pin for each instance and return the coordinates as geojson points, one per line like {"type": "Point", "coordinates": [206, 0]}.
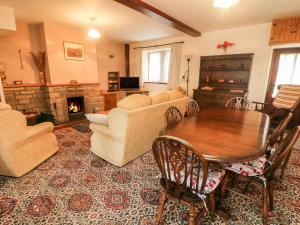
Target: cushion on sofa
{"type": "Point", "coordinates": [134, 101]}
{"type": "Point", "coordinates": [175, 94]}
{"type": "Point", "coordinates": [97, 118]}
{"type": "Point", "coordinates": [160, 97]}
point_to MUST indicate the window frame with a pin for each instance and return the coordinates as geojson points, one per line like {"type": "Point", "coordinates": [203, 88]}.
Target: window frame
{"type": "Point", "coordinates": [162, 52]}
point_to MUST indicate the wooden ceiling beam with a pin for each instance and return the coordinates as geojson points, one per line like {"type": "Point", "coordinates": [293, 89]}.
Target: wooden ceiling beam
{"type": "Point", "coordinates": [160, 16]}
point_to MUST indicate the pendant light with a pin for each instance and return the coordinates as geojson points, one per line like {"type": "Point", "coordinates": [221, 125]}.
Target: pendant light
{"type": "Point", "coordinates": [93, 33]}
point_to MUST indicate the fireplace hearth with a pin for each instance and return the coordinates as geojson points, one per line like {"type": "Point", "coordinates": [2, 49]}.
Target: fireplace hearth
{"type": "Point", "coordinates": [75, 107]}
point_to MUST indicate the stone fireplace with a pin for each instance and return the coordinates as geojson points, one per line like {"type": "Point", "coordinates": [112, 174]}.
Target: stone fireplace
{"type": "Point", "coordinates": [54, 99]}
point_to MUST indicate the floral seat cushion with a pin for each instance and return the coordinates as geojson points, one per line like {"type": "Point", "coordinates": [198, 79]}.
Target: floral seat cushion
{"type": "Point", "coordinates": [252, 168]}
{"type": "Point", "coordinates": [213, 180]}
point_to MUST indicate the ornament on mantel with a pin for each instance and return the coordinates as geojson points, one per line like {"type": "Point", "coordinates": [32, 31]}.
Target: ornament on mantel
{"type": "Point", "coordinates": [39, 60]}
{"type": "Point", "coordinates": [225, 45]}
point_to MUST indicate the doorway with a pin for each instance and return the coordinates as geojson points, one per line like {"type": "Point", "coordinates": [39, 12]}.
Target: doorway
{"type": "Point", "coordinates": [285, 69]}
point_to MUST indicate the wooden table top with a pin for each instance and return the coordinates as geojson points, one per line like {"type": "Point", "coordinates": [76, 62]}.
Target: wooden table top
{"type": "Point", "coordinates": [225, 135]}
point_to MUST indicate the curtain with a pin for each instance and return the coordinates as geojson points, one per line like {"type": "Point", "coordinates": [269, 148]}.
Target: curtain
{"type": "Point", "coordinates": [138, 64]}
{"type": "Point", "coordinates": [2, 98]}
{"type": "Point", "coordinates": [174, 68]}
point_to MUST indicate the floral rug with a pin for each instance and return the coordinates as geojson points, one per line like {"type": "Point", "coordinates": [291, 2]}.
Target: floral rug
{"type": "Point", "coordinates": [77, 187]}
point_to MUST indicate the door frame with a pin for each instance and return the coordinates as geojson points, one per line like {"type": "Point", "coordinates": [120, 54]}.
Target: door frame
{"type": "Point", "coordinates": [274, 70]}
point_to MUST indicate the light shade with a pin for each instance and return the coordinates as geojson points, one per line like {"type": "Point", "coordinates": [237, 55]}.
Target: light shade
{"type": "Point", "coordinates": [224, 3]}
{"type": "Point", "coordinates": [93, 33]}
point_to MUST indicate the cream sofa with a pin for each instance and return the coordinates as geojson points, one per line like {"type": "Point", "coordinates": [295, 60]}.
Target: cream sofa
{"type": "Point", "coordinates": [23, 147]}
{"type": "Point", "coordinates": [133, 126]}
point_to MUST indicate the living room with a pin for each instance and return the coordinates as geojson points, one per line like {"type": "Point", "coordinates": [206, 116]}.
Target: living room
{"type": "Point", "coordinates": [92, 91]}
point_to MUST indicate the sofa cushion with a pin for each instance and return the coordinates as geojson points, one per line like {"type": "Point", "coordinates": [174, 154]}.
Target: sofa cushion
{"type": "Point", "coordinates": [134, 101]}
{"type": "Point", "coordinates": [175, 94]}
{"type": "Point", "coordinates": [97, 118]}
{"type": "Point", "coordinates": [160, 97]}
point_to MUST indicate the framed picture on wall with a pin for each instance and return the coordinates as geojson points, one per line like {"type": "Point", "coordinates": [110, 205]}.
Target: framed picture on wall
{"type": "Point", "coordinates": [73, 51]}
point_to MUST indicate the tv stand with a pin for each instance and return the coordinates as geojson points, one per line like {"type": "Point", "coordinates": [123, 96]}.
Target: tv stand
{"type": "Point", "coordinates": [112, 97]}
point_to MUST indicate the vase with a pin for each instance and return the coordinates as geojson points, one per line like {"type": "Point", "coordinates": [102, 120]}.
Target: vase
{"type": "Point", "coordinates": [224, 51]}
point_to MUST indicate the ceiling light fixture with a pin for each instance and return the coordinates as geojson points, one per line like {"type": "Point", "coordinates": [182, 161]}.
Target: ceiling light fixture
{"type": "Point", "coordinates": [225, 3]}
{"type": "Point", "coordinates": [93, 32]}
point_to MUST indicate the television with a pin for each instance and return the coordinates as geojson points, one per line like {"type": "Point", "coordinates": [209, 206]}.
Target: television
{"type": "Point", "coordinates": [129, 82]}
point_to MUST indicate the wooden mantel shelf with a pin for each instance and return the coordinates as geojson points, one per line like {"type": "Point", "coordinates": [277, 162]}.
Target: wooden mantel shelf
{"type": "Point", "coordinates": [47, 85]}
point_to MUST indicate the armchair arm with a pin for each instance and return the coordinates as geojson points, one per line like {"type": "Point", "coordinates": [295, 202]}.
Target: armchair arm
{"type": "Point", "coordinates": [103, 130]}
{"type": "Point", "coordinates": [42, 128]}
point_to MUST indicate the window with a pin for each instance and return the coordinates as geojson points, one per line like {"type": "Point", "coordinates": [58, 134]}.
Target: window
{"type": "Point", "coordinates": [155, 64]}
{"type": "Point", "coordinates": [288, 70]}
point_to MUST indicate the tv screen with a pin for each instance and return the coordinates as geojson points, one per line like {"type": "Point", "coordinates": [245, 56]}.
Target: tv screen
{"type": "Point", "coordinates": [129, 82]}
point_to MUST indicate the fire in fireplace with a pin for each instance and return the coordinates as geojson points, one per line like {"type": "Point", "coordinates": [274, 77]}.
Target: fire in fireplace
{"type": "Point", "coordinates": [75, 107]}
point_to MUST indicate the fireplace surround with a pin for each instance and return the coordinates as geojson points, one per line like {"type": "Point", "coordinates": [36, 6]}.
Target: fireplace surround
{"type": "Point", "coordinates": [52, 98]}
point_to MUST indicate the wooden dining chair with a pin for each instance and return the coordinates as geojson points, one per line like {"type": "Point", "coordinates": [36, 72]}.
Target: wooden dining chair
{"type": "Point", "coordinates": [192, 107]}
{"type": "Point", "coordinates": [240, 103]}
{"type": "Point", "coordinates": [185, 176]}
{"type": "Point", "coordinates": [262, 171]}
{"type": "Point", "coordinates": [286, 100]}
{"type": "Point", "coordinates": [172, 116]}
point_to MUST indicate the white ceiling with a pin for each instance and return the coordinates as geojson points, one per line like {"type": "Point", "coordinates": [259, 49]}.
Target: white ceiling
{"type": "Point", "coordinates": [126, 25]}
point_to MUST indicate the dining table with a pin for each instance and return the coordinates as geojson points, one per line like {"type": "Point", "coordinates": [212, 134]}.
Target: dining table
{"type": "Point", "coordinates": [225, 135]}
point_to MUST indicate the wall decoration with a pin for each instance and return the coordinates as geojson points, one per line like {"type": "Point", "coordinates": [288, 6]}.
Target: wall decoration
{"type": "Point", "coordinates": [18, 82]}
{"type": "Point", "coordinates": [3, 76]}
{"type": "Point", "coordinates": [39, 60]}
{"type": "Point", "coordinates": [73, 51]}
{"type": "Point", "coordinates": [225, 45]}
{"type": "Point", "coordinates": [21, 60]}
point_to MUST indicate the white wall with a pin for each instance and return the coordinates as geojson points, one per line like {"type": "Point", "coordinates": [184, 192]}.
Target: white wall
{"type": "Point", "coordinates": [248, 39]}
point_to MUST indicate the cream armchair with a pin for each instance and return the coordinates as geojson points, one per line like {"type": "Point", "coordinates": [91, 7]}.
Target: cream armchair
{"type": "Point", "coordinates": [23, 147]}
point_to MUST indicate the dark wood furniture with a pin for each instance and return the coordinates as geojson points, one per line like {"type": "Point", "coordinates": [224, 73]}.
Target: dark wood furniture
{"type": "Point", "coordinates": [287, 100]}
{"type": "Point", "coordinates": [158, 15]}
{"type": "Point", "coordinates": [225, 135]}
{"type": "Point", "coordinates": [238, 103]}
{"type": "Point", "coordinates": [192, 107]}
{"type": "Point", "coordinates": [285, 30]}
{"type": "Point", "coordinates": [221, 78]}
{"type": "Point", "coordinates": [172, 116]}
{"type": "Point", "coordinates": [113, 80]}
{"type": "Point", "coordinates": [184, 175]}
{"type": "Point", "coordinates": [266, 180]}
{"type": "Point", "coordinates": [112, 97]}
{"type": "Point", "coordinates": [272, 81]}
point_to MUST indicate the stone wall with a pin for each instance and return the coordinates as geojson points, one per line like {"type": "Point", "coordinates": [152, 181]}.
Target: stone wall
{"type": "Point", "coordinates": [52, 99]}
{"type": "Point", "coordinates": [26, 98]}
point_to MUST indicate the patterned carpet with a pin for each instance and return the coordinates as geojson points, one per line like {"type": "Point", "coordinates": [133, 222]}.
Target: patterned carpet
{"type": "Point", "coordinates": [77, 187]}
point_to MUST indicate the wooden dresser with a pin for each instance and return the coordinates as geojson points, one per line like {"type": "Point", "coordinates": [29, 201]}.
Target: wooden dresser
{"type": "Point", "coordinates": [221, 78]}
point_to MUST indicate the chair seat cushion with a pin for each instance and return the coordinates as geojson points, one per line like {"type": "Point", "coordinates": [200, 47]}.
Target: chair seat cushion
{"type": "Point", "coordinates": [213, 180]}
{"type": "Point", "coordinates": [252, 168]}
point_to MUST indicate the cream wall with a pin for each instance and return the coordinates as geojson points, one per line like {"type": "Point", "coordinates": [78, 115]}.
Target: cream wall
{"type": "Point", "coordinates": [9, 46]}
{"type": "Point", "coordinates": [105, 48]}
{"type": "Point", "coordinates": [49, 37]}
{"type": "Point", "coordinates": [62, 70]}
{"type": "Point", "coordinates": [248, 39]}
